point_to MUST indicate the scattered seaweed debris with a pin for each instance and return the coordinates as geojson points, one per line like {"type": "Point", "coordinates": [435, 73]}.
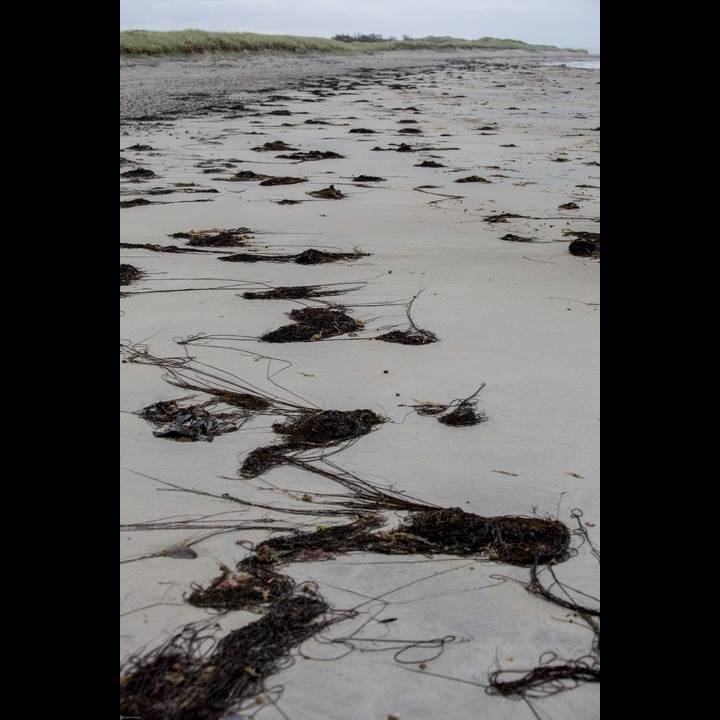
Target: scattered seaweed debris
{"type": "Point", "coordinates": [242, 590]}
{"type": "Point", "coordinates": [311, 256]}
{"type": "Point", "coordinates": [293, 292]}
{"type": "Point", "coordinates": [363, 131]}
{"type": "Point", "coordinates": [138, 146]}
{"type": "Point", "coordinates": [313, 324]}
{"type": "Point", "coordinates": [216, 237]}
{"type": "Point", "coordinates": [328, 193]}
{"type": "Point", "coordinates": [273, 146]}
{"type": "Point", "coordinates": [515, 540]}
{"type": "Point", "coordinates": [194, 675]}
{"type": "Point", "coordinates": [569, 206]}
{"type": "Point", "coordinates": [516, 238]}
{"type": "Point", "coordinates": [429, 163]}
{"type": "Point", "coordinates": [312, 430]}
{"type": "Point", "coordinates": [138, 173]}
{"type": "Point", "coordinates": [129, 274]}
{"type": "Point", "coordinates": [404, 147]}
{"type": "Point", "coordinates": [197, 422]}
{"type": "Point", "coordinates": [156, 248]}
{"type": "Point", "coordinates": [311, 155]}
{"type": "Point", "coordinates": [501, 218]}
{"type": "Point", "coordinates": [458, 413]}
{"type": "Point", "coordinates": [368, 178]}
{"type": "Point", "coordinates": [247, 175]}
{"type": "Point", "coordinates": [410, 131]}
{"type": "Point", "coordinates": [282, 181]}
{"type": "Point", "coordinates": [414, 335]}
{"type": "Point", "coordinates": [288, 202]}
{"type": "Point", "coordinates": [134, 203]}
{"type": "Point", "coordinates": [473, 179]}
{"type": "Point", "coordinates": [585, 244]}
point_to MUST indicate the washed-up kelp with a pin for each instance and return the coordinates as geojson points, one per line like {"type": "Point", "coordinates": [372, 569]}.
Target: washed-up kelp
{"type": "Point", "coordinates": [414, 335]}
{"type": "Point", "coordinates": [313, 324]}
{"type": "Point", "coordinates": [129, 273]}
{"type": "Point", "coordinates": [138, 173]}
{"type": "Point", "coordinates": [282, 181]}
{"type": "Point", "coordinates": [311, 155]}
{"type": "Point", "coordinates": [183, 680]}
{"type": "Point", "coordinates": [246, 175]}
{"type": "Point", "coordinates": [310, 256]}
{"type": "Point", "coordinates": [250, 588]}
{"type": "Point", "coordinates": [216, 238]}
{"type": "Point", "coordinates": [294, 292]}
{"type": "Point", "coordinates": [516, 238]}
{"type": "Point", "coordinates": [325, 428]}
{"type": "Point", "coordinates": [429, 163]}
{"type": "Point", "coordinates": [274, 146]}
{"type": "Point", "coordinates": [473, 179]}
{"type": "Point", "coordinates": [137, 202]}
{"type": "Point", "coordinates": [514, 540]}
{"type": "Point", "coordinates": [157, 248]}
{"type": "Point", "coordinates": [195, 422]}
{"type": "Point", "coordinates": [368, 178]}
{"type": "Point", "coordinates": [458, 413]}
{"type": "Point", "coordinates": [328, 193]}
{"type": "Point", "coordinates": [501, 218]}
{"type": "Point", "coordinates": [585, 244]}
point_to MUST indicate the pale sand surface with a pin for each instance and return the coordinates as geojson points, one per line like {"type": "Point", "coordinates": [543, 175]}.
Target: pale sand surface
{"type": "Point", "coordinates": [521, 317]}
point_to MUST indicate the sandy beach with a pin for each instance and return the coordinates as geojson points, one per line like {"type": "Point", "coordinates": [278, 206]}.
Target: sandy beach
{"type": "Point", "coordinates": [423, 207]}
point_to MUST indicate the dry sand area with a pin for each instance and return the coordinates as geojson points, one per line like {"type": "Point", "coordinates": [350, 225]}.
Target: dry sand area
{"type": "Point", "coordinates": [359, 388]}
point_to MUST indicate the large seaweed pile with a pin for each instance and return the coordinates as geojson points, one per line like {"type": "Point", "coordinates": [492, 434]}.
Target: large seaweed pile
{"type": "Point", "coordinates": [312, 324]}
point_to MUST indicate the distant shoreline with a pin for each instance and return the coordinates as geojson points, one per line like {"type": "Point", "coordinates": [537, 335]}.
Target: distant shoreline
{"type": "Point", "coordinates": [163, 88]}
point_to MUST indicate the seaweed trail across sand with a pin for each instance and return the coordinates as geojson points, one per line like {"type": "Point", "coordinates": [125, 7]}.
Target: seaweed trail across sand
{"type": "Point", "coordinates": [201, 671]}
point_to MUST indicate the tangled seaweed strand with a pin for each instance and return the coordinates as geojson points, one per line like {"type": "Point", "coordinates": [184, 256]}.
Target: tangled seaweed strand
{"type": "Point", "coordinates": [181, 681]}
{"type": "Point", "coordinates": [413, 335]}
{"type": "Point", "coordinates": [462, 414]}
{"type": "Point", "coordinates": [293, 292]}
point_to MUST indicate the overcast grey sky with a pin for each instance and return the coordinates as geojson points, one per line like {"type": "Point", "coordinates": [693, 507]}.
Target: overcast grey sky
{"type": "Point", "coordinates": [564, 23]}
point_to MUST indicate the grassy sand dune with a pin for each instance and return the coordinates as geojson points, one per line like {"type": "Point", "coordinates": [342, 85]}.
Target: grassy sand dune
{"type": "Point", "coordinates": [179, 43]}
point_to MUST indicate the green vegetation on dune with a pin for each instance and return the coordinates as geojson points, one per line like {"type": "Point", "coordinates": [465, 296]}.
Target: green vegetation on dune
{"type": "Point", "coordinates": [183, 43]}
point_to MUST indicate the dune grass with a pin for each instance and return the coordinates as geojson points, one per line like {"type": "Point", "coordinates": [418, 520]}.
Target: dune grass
{"type": "Point", "coordinates": [185, 43]}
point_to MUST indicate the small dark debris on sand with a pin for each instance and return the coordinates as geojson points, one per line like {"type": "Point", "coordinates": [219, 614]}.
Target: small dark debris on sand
{"type": "Point", "coordinates": [288, 202]}
{"type": "Point", "coordinates": [585, 244]}
{"type": "Point", "coordinates": [429, 163]}
{"type": "Point", "coordinates": [363, 131]}
{"type": "Point", "coordinates": [368, 178]}
{"type": "Point", "coordinates": [458, 413]}
{"type": "Point", "coordinates": [138, 146]}
{"type": "Point", "coordinates": [156, 248]}
{"type": "Point", "coordinates": [501, 218]}
{"type": "Point", "coordinates": [314, 429]}
{"type": "Point", "coordinates": [282, 181]}
{"type": "Point", "coordinates": [310, 256]}
{"type": "Point", "coordinates": [129, 273]}
{"type": "Point", "coordinates": [413, 336]}
{"type": "Point", "coordinates": [516, 238]}
{"type": "Point", "coordinates": [328, 193]}
{"type": "Point", "coordinates": [134, 203]}
{"type": "Point", "coordinates": [311, 324]}
{"type": "Point", "coordinates": [311, 155]}
{"type": "Point", "coordinates": [215, 238]}
{"type": "Point", "coordinates": [472, 179]}
{"type": "Point", "coordinates": [138, 173]}
{"type": "Point", "coordinates": [410, 131]}
{"type": "Point", "coordinates": [569, 206]}
{"type": "Point", "coordinates": [274, 146]}
{"type": "Point", "coordinates": [294, 292]}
